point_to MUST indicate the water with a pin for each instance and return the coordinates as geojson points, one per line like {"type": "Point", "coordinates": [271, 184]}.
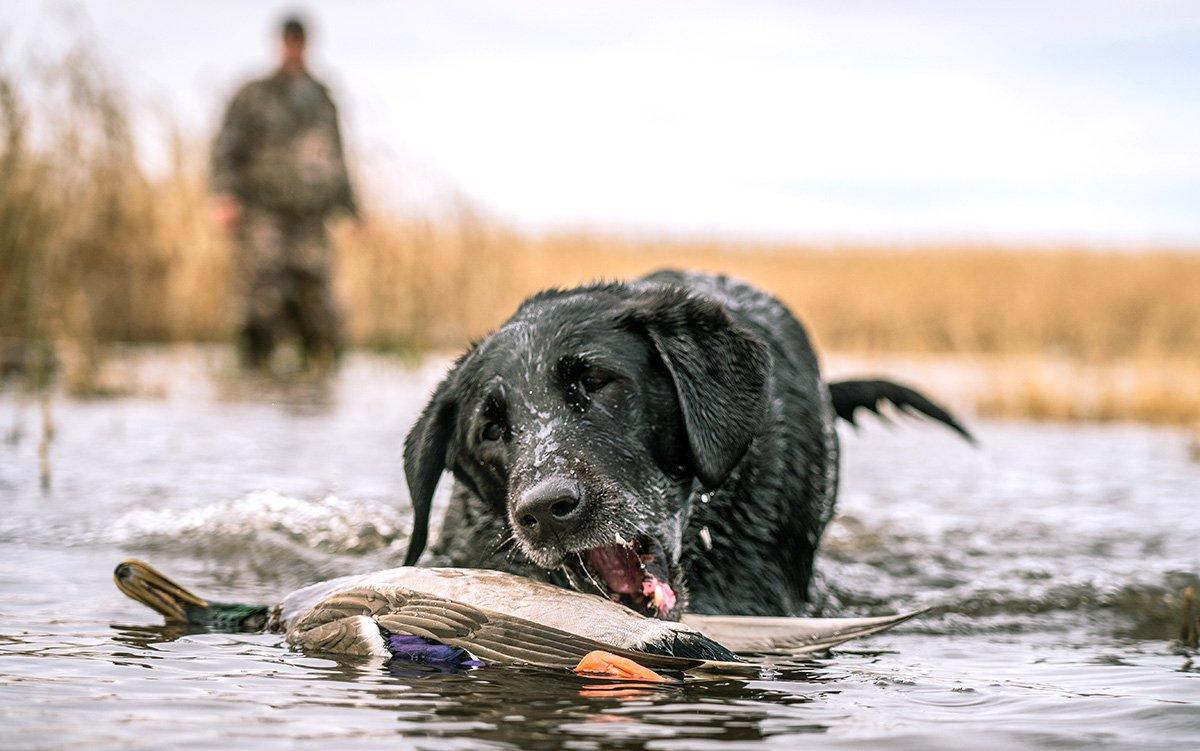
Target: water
{"type": "Point", "coordinates": [1056, 555]}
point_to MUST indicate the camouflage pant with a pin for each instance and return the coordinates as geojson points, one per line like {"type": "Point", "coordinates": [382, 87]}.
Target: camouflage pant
{"type": "Point", "coordinates": [283, 273]}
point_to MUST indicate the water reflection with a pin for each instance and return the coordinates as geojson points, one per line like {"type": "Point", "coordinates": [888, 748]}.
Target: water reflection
{"type": "Point", "coordinates": [303, 394]}
{"type": "Point", "coordinates": [1061, 552]}
{"type": "Point", "coordinates": [525, 707]}
{"type": "Point", "coordinates": [144, 637]}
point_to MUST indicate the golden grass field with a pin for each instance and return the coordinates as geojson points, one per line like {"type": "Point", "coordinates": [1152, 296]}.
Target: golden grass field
{"type": "Point", "coordinates": [93, 250]}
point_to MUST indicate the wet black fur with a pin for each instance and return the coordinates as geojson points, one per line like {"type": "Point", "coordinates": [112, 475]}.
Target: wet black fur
{"type": "Point", "coordinates": [714, 412]}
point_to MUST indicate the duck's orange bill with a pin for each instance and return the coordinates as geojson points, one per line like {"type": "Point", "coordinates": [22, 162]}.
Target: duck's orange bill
{"type": "Point", "coordinates": [610, 665]}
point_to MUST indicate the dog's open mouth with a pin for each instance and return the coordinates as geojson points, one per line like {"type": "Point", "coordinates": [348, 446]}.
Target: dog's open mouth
{"type": "Point", "coordinates": [635, 574]}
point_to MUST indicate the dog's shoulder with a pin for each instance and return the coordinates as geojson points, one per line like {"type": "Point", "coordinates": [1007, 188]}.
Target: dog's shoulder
{"type": "Point", "coordinates": [737, 295]}
{"type": "Point", "coordinates": [750, 305]}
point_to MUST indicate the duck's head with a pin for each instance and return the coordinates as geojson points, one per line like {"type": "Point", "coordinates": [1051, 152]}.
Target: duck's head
{"type": "Point", "coordinates": [586, 424]}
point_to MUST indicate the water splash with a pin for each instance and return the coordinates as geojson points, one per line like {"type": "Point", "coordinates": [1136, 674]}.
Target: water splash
{"type": "Point", "coordinates": [330, 525]}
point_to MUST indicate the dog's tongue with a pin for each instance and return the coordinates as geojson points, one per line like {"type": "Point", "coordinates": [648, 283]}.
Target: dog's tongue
{"type": "Point", "coordinates": [623, 572]}
{"type": "Point", "coordinates": [660, 595]}
{"type": "Point", "coordinates": [619, 566]}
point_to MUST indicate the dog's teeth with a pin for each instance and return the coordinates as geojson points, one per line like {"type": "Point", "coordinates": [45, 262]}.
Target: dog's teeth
{"type": "Point", "coordinates": [622, 541]}
{"type": "Point", "coordinates": [706, 538]}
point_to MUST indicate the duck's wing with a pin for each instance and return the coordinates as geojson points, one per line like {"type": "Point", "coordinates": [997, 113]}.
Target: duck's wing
{"type": "Point", "coordinates": [792, 636]}
{"type": "Point", "coordinates": [359, 618]}
{"type": "Point", "coordinates": [306, 598]}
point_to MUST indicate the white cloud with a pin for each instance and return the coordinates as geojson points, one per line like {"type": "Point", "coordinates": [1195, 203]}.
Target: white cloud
{"type": "Point", "coordinates": [1040, 120]}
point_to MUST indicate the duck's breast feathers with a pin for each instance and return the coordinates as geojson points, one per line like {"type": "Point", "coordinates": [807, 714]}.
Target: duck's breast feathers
{"type": "Point", "coordinates": [358, 620]}
{"type": "Point", "coordinates": [567, 610]}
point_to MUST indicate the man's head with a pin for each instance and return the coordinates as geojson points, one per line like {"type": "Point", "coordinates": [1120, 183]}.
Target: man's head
{"type": "Point", "coordinates": [584, 424]}
{"type": "Point", "coordinates": [294, 44]}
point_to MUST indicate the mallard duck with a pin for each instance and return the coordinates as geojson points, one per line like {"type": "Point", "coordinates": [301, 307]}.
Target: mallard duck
{"type": "Point", "coordinates": [470, 616]}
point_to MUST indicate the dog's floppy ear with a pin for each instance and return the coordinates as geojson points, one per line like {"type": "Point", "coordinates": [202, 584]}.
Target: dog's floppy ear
{"type": "Point", "coordinates": [425, 457]}
{"type": "Point", "coordinates": [720, 373]}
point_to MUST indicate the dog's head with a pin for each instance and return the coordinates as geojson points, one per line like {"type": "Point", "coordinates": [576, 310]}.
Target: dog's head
{"type": "Point", "coordinates": [585, 422]}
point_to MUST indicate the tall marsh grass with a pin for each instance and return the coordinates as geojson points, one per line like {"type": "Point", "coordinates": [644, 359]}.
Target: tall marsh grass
{"type": "Point", "coordinates": [94, 250]}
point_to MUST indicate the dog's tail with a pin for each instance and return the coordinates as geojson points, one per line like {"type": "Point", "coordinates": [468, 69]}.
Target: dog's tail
{"type": "Point", "coordinates": [849, 396]}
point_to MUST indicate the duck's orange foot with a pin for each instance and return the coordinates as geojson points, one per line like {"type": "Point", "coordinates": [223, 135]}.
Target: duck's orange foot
{"type": "Point", "coordinates": [609, 665]}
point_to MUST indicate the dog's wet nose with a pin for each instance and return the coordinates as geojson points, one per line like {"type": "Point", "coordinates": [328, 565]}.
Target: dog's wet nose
{"type": "Point", "coordinates": [549, 510]}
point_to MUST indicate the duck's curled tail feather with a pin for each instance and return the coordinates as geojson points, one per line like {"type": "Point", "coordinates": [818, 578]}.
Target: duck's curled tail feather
{"type": "Point", "coordinates": [142, 582]}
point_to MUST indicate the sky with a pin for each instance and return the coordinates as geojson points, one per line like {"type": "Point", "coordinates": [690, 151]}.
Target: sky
{"type": "Point", "coordinates": [942, 120]}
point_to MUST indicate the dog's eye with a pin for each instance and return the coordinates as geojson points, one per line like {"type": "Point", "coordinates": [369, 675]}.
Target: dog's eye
{"type": "Point", "coordinates": [493, 431]}
{"type": "Point", "coordinates": [592, 382]}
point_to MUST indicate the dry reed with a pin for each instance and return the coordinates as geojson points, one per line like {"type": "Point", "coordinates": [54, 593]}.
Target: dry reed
{"type": "Point", "coordinates": [94, 250]}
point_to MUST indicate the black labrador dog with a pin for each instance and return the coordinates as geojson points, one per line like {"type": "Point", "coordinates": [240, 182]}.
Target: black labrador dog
{"type": "Point", "coordinates": [668, 443]}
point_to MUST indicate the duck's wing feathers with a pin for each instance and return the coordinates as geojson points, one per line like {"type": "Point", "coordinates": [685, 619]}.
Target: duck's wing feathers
{"type": "Point", "coordinates": [341, 619]}
{"type": "Point", "coordinates": [792, 636]}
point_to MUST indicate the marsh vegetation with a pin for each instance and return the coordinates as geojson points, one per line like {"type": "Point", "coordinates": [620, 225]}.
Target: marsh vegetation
{"type": "Point", "coordinates": [96, 250]}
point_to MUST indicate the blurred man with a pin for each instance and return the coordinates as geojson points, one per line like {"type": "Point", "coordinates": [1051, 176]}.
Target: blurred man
{"type": "Point", "coordinates": [278, 173]}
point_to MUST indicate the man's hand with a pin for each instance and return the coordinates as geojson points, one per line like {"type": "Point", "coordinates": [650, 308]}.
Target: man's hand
{"type": "Point", "coordinates": [227, 212]}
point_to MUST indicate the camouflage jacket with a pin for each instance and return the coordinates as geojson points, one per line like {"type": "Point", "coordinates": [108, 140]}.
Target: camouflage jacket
{"type": "Point", "coordinates": [280, 148]}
